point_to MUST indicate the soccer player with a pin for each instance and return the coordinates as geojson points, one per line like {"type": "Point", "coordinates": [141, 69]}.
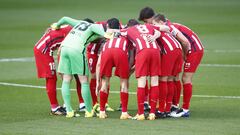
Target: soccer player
{"type": "Point", "coordinates": [147, 63]}
{"type": "Point", "coordinates": [171, 60]}
{"type": "Point", "coordinates": [73, 61]}
{"type": "Point", "coordinates": [93, 51]}
{"type": "Point", "coordinates": [192, 61]}
{"type": "Point", "coordinates": [114, 54]}
{"type": "Point", "coordinates": [193, 52]}
{"type": "Point", "coordinates": [43, 52]}
{"type": "Point", "coordinates": [192, 55]}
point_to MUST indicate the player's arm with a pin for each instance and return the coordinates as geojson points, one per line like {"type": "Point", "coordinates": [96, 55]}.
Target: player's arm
{"type": "Point", "coordinates": [131, 61]}
{"type": "Point", "coordinates": [98, 29]}
{"type": "Point", "coordinates": [93, 38]}
{"type": "Point", "coordinates": [183, 40]}
{"type": "Point", "coordinates": [98, 75]}
{"type": "Point", "coordinates": [65, 20]}
{"type": "Point", "coordinates": [163, 28]}
{"type": "Point", "coordinates": [152, 38]}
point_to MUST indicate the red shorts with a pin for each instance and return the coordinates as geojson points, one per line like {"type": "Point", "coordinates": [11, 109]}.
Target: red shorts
{"type": "Point", "coordinates": [45, 65]}
{"type": "Point", "coordinates": [92, 62]}
{"type": "Point", "coordinates": [148, 63]}
{"type": "Point", "coordinates": [192, 61]}
{"type": "Point", "coordinates": [114, 58]}
{"type": "Point", "coordinates": [172, 63]}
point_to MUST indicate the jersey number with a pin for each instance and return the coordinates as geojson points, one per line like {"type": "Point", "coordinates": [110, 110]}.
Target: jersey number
{"type": "Point", "coordinates": [82, 26]}
{"type": "Point", "coordinates": [142, 29]}
{"type": "Point", "coordinates": [52, 66]}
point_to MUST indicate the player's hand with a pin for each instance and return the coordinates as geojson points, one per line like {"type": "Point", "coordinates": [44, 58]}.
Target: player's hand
{"type": "Point", "coordinates": [108, 35]}
{"type": "Point", "coordinates": [54, 26]}
{"type": "Point", "coordinates": [150, 38]}
{"type": "Point", "coordinates": [164, 28]}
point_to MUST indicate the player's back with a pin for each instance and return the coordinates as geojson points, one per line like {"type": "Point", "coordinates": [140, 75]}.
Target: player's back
{"type": "Point", "coordinates": [168, 42]}
{"type": "Point", "coordinates": [138, 35]}
{"type": "Point", "coordinates": [52, 39]}
{"type": "Point", "coordinates": [80, 34]}
{"type": "Point", "coordinates": [191, 36]}
{"type": "Point", "coordinates": [121, 43]}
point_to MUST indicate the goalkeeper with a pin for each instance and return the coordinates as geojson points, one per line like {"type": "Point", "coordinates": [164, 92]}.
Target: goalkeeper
{"type": "Point", "coordinates": [73, 59]}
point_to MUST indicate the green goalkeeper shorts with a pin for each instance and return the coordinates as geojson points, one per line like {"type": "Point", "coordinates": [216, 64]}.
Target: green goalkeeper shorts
{"type": "Point", "coordinates": [72, 62]}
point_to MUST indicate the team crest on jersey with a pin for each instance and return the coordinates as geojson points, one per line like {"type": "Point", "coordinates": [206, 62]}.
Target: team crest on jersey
{"type": "Point", "coordinates": [187, 65]}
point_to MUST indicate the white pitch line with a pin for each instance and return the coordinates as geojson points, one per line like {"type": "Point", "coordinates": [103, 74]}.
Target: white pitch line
{"type": "Point", "coordinates": [114, 92]}
{"type": "Point", "coordinates": [220, 65]}
{"type": "Point", "coordinates": [24, 59]}
{"type": "Point", "coordinates": [31, 59]}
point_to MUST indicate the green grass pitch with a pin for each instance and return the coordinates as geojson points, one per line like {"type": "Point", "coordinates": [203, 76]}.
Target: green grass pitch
{"type": "Point", "coordinates": [25, 111]}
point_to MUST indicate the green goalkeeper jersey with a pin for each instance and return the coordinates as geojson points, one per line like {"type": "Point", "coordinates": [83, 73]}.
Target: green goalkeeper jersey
{"type": "Point", "coordinates": [81, 34]}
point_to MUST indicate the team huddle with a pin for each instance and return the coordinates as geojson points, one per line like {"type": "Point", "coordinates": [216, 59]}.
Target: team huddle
{"type": "Point", "coordinates": [157, 51]}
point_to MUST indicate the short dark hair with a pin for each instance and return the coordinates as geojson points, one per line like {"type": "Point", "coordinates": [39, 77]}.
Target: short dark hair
{"type": "Point", "coordinates": [132, 22]}
{"type": "Point", "coordinates": [88, 20]}
{"type": "Point", "coordinates": [146, 13]}
{"type": "Point", "coordinates": [113, 23]}
{"type": "Point", "coordinates": [160, 17]}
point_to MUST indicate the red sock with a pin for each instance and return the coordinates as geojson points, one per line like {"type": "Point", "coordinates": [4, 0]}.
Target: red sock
{"type": "Point", "coordinates": [162, 95]}
{"type": "Point", "coordinates": [78, 85]}
{"type": "Point", "coordinates": [103, 100]}
{"type": "Point", "coordinates": [92, 89]}
{"type": "Point", "coordinates": [154, 98]}
{"type": "Point", "coordinates": [124, 101]}
{"type": "Point", "coordinates": [187, 94]}
{"type": "Point", "coordinates": [177, 93]}
{"type": "Point", "coordinates": [51, 85]}
{"type": "Point", "coordinates": [147, 91]}
{"type": "Point", "coordinates": [170, 94]}
{"type": "Point", "coordinates": [140, 99]}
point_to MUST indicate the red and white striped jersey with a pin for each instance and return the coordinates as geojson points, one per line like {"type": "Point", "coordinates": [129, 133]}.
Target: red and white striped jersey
{"type": "Point", "coordinates": [168, 42]}
{"type": "Point", "coordinates": [138, 36]}
{"type": "Point", "coordinates": [194, 40]}
{"type": "Point", "coordinates": [121, 43]}
{"type": "Point", "coordinates": [93, 48]}
{"type": "Point", "coordinates": [52, 39]}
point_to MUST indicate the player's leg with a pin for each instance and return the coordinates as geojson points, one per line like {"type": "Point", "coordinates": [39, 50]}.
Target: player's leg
{"type": "Point", "coordinates": [93, 88]}
{"type": "Point", "coordinates": [124, 99]}
{"type": "Point", "coordinates": [163, 88]}
{"type": "Point", "coordinates": [187, 89]}
{"type": "Point", "coordinates": [51, 84]}
{"type": "Point", "coordinates": [140, 97]}
{"type": "Point", "coordinates": [86, 94]}
{"type": "Point", "coordinates": [80, 99]}
{"type": "Point", "coordinates": [147, 98]}
{"type": "Point", "coordinates": [154, 96]}
{"type": "Point", "coordinates": [170, 93]}
{"type": "Point", "coordinates": [190, 66]}
{"type": "Point", "coordinates": [177, 93]}
{"type": "Point", "coordinates": [92, 62]}
{"type": "Point", "coordinates": [66, 93]}
{"type": "Point", "coordinates": [103, 96]}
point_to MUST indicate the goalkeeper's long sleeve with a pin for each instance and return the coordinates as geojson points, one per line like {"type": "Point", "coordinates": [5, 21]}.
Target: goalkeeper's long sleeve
{"type": "Point", "coordinates": [68, 20]}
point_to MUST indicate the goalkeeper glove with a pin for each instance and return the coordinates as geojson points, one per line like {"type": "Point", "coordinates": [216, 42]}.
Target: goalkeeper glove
{"type": "Point", "coordinates": [54, 26]}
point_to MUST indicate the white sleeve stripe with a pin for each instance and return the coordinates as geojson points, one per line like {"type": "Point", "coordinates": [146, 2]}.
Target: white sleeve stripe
{"type": "Point", "coordinates": [168, 43]}
{"type": "Point", "coordinates": [140, 44]}
{"type": "Point", "coordinates": [198, 44]}
{"type": "Point", "coordinates": [42, 42]}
